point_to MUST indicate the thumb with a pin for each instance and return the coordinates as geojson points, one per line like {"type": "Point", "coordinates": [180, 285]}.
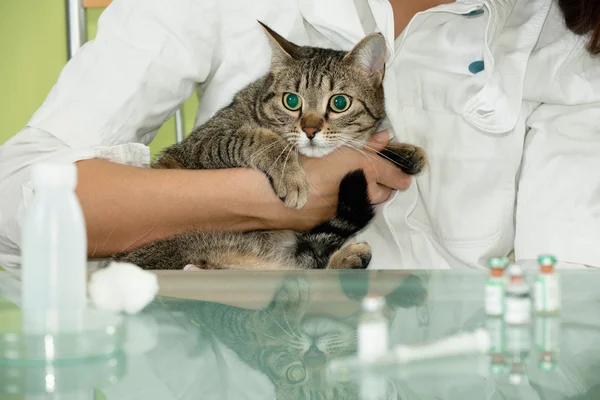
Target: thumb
{"type": "Point", "coordinates": [378, 141]}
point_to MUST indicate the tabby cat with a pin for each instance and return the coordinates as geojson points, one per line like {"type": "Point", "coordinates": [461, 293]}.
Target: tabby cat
{"type": "Point", "coordinates": [311, 102]}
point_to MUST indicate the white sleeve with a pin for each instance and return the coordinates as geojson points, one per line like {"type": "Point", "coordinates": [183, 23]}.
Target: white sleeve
{"type": "Point", "coordinates": [145, 61]}
{"type": "Point", "coordinates": [111, 98]}
{"type": "Point", "coordinates": [558, 202]}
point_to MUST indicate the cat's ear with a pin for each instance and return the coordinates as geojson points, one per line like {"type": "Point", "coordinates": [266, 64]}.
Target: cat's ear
{"type": "Point", "coordinates": [369, 54]}
{"type": "Point", "coordinates": [282, 50]}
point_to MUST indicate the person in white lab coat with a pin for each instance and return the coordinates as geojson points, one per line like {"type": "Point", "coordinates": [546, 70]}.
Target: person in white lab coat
{"type": "Point", "coordinates": [505, 100]}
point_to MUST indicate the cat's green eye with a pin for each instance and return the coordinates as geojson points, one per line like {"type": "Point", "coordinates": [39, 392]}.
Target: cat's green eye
{"type": "Point", "coordinates": [296, 373]}
{"type": "Point", "coordinates": [340, 103]}
{"type": "Point", "coordinates": [292, 101]}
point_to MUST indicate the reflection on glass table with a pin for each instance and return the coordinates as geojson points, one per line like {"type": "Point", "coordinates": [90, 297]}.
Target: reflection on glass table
{"type": "Point", "coordinates": [266, 335]}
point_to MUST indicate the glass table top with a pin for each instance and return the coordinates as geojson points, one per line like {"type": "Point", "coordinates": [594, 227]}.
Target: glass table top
{"type": "Point", "coordinates": [272, 335]}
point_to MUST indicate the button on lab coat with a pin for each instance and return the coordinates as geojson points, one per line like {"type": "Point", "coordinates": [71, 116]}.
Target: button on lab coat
{"type": "Point", "coordinates": [505, 101]}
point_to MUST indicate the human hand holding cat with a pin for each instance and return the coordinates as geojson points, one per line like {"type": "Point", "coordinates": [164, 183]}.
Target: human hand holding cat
{"type": "Point", "coordinates": [325, 174]}
{"type": "Point", "coordinates": [382, 175]}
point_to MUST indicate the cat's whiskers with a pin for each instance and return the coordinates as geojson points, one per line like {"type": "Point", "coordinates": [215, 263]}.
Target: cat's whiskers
{"type": "Point", "coordinates": [344, 335]}
{"type": "Point", "coordinates": [292, 148]}
{"type": "Point", "coordinates": [370, 158]}
{"type": "Point", "coordinates": [260, 151]}
{"type": "Point", "coordinates": [288, 135]}
{"type": "Point", "coordinates": [307, 305]}
{"type": "Point", "coordinates": [369, 147]}
{"type": "Point", "coordinates": [256, 331]}
{"type": "Point", "coordinates": [288, 324]}
{"type": "Point", "coordinates": [340, 342]}
{"type": "Point", "coordinates": [312, 188]}
{"type": "Point", "coordinates": [291, 333]}
{"type": "Point", "coordinates": [268, 173]}
{"type": "Point", "coordinates": [342, 338]}
{"type": "Point", "coordinates": [375, 151]}
{"type": "Point", "coordinates": [332, 343]}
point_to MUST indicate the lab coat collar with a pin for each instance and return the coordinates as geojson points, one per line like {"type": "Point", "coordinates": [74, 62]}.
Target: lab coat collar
{"type": "Point", "coordinates": [335, 19]}
{"type": "Point", "coordinates": [338, 19]}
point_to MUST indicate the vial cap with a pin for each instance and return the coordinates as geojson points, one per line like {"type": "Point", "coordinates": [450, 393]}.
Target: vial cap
{"type": "Point", "coordinates": [498, 262]}
{"type": "Point", "coordinates": [497, 368]}
{"type": "Point", "coordinates": [515, 270]}
{"type": "Point", "coordinates": [547, 365]}
{"type": "Point", "coordinates": [546, 260]}
{"type": "Point", "coordinates": [54, 174]}
{"type": "Point", "coordinates": [373, 303]}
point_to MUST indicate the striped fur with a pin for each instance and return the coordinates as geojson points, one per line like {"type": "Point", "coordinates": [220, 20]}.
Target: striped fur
{"type": "Point", "coordinates": [259, 131]}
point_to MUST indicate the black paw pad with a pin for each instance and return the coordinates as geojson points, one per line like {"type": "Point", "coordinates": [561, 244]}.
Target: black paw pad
{"type": "Point", "coordinates": [365, 259]}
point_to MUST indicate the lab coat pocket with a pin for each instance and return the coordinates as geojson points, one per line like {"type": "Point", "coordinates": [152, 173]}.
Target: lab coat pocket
{"type": "Point", "coordinates": [467, 191]}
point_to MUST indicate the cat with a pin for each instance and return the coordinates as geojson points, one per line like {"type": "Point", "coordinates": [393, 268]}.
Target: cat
{"type": "Point", "coordinates": [286, 341]}
{"type": "Point", "coordinates": [311, 102]}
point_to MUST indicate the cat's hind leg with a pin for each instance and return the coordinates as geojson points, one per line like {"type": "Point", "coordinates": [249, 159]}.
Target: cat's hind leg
{"type": "Point", "coordinates": [210, 251]}
{"type": "Point", "coordinates": [353, 256]}
{"type": "Point", "coordinates": [172, 253]}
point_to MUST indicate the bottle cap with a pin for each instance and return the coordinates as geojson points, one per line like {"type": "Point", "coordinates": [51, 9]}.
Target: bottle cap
{"type": "Point", "coordinates": [498, 262]}
{"type": "Point", "coordinates": [546, 365]}
{"type": "Point", "coordinates": [373, 303]}
{"type": "Point", "coordinates": [546, 260]}
{"type": "Point", "coordinates": [515, 270]}
{"type": "Point", "coordinates": [54, 174]}
{"type": "Point", "coordinates": [497, 368]}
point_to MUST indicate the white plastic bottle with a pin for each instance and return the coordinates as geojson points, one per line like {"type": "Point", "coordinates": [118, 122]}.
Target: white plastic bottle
{"type": "Point", "coordinates": [53, 251]}
{"type": "Point", "coordinates": [373, 330]}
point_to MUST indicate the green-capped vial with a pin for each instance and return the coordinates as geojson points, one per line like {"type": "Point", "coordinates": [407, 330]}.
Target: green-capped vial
{"type": "Point", "coordinates": [546, 260]}
{"type": "Point", "coordinates": [498, 262]}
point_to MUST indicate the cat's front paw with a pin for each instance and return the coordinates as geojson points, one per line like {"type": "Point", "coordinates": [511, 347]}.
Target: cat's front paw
{"type": "Point", "coordinates": [410, 159]}
{"type": "Point", "coordinates": [290, 184]}
{"type": "Point", "coordinates": [353, 256]}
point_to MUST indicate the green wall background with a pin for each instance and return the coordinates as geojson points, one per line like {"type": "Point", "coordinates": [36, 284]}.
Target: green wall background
{"type": "Point", "coordinates": [33, 50]}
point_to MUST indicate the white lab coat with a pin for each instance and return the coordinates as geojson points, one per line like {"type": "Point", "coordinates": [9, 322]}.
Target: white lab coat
{"type": "Point", "coordinates": [513, 148]}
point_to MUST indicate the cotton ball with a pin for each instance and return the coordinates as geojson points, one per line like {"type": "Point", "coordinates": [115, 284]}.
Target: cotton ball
{"type": "Point", "coordinates": [122, 287]}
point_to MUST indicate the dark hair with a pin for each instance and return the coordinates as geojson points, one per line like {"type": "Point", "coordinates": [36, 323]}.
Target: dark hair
{"type": "Point", "coordinates": [583, 18]}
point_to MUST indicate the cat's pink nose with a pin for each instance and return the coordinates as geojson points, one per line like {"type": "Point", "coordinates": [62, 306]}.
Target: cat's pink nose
{"type": "Point", "coordinates": [310, 131]}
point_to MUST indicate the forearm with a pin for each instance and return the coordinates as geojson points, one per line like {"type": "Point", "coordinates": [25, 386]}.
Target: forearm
{"type": "Point", "coordinates": [126, 206]}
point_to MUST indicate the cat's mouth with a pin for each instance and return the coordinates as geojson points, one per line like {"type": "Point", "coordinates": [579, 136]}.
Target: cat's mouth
{"type": "Point", "coordinates": [315, 146]}
{"type": "Point", "coordinates": [314, 358]}
{"type": "Point", "coordinates": [315, 151]}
